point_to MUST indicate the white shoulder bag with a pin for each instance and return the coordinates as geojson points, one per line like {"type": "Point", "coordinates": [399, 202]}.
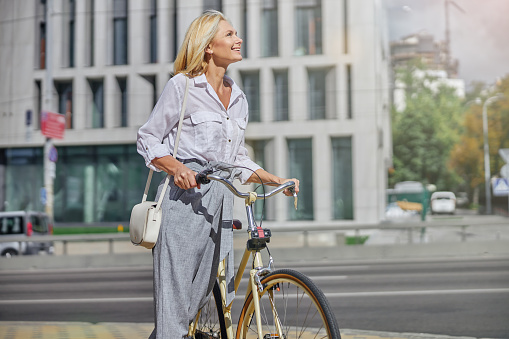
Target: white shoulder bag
{"type": "Point", "coordinates": [146, 216]}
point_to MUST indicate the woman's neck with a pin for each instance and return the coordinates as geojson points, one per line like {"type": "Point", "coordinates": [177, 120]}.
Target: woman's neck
{"type": "Point", "coordinates": [215, 77]}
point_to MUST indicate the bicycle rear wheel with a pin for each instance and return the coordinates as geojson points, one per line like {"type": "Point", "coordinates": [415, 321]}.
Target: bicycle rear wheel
{"type": "Point", "coordinates": [210, 323]}
{"type": "Point", "coordinates": [300, 306]}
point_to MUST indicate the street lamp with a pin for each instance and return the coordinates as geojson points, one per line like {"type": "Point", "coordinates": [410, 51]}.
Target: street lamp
{"type": "Point", "coordinates": [487, 173]}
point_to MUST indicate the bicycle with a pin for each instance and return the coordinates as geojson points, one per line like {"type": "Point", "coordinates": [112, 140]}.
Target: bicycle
{"type": "Point", "coordinates": [278, 303]}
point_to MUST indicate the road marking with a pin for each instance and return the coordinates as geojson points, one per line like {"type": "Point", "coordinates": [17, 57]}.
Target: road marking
{"type": "Point", "coordinates": [422, 292]}
{"type": "Point", "coordinates": [73, 301]}
{"type": "Point", "coordinates": [328, 295]}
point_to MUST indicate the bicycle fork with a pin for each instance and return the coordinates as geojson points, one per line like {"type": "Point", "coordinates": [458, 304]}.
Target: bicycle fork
{"type": "Point", "coordinates": [256, 289]}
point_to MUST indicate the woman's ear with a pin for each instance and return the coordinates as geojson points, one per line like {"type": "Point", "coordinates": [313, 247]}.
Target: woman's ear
{"type": "Point", "coordinates": [208, 50]}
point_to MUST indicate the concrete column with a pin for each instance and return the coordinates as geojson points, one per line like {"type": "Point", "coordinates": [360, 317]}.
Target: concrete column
{"type": "Point", "coordinates": [188, 10]}
{"type": "Point", "coordinates": [298, 87]}
{"type": "Point", "coordinates": [81, 104]}
{"type": "Point", "coordinates": [138, 30]}
{"type": "Point", "coordinates": [254, 22]}
{"type": "Point", "coordinates": [111, 113]}
{"type": "Point", "coordinates": [322, 183]}
{"type": "Point", "coordinates": [165, 31]}
{"type": "Point", "coordinates": [266, 94]}
{"type": "Point", "coordinates": [81, 48]}
{"type": "Point", "coordinates": [286, 31]}
{"type": "Point", "coordinates": [103, 30]}
{"type": "Point", "coordinates": [281, 170]}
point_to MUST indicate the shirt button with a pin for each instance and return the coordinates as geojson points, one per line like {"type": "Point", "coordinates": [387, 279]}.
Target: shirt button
{"type": "Point", "coordinates": [229, 140]}
{"type": "Point", "coordinates": [227, 118]}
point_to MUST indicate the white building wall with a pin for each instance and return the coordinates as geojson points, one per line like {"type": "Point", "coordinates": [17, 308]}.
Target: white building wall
{"type": "Point", "coordinates": [369, 127]}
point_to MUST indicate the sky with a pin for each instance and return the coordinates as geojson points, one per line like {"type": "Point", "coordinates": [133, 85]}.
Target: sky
{"type": "Point", "coordinates": [479, 32]}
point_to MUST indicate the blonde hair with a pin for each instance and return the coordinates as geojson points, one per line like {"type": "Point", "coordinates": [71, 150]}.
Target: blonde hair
{"type": "Point", "coordinates": [191, 57]}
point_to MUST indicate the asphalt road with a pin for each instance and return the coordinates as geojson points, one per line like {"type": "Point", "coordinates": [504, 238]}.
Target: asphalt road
{"type": "Point", "coordinates": [453, 297]}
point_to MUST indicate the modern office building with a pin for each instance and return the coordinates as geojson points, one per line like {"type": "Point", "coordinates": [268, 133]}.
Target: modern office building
{"type": "Point", "coordinates": [316, 74]}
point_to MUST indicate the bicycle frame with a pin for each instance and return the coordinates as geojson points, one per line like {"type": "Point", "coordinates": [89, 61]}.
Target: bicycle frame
{"type": "Point", "coordinates": [254, 285]}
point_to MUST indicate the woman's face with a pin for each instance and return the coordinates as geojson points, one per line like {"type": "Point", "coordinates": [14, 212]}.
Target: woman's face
{"type": "Point", "coordinates": [225, 47]}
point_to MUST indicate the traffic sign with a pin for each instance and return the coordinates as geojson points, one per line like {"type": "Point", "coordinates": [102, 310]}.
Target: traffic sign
{"type": "Point", "coordinates": [52, 124]}
{"type": "Point", "coordinates": [53, 154]}
{"type": "Point", "coordinates": [504, 153]}
{"type": "Point", "coordinates": [500, 187]}
{"type": "Point", "coordinates": [504, 171]}
{"type": "Point", "coordinates": [43, 196]}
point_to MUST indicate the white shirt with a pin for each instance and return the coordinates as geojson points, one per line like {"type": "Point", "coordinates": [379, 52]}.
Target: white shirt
{"type": "Point", "coordinates": [209, 131]}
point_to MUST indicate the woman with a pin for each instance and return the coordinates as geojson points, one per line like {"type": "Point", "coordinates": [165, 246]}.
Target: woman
{"type": "Point", "coordinates": [196, 228]}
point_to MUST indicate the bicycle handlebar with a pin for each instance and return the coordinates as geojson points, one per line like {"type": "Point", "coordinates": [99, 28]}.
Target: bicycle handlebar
{"type": "Point", "coordinates": [204, 178]}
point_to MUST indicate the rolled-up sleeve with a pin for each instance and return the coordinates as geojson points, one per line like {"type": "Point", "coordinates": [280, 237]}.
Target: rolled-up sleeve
{"type": "Point", "coordinates": [162, 120]}
{"type": "Point", "coordinates": [242, 159]}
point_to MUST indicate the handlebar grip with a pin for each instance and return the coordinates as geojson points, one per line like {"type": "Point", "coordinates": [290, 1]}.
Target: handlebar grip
{"type": "Point", "coordinates": [201, 178]}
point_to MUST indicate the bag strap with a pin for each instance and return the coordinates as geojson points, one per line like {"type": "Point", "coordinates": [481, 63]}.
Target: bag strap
{"type": "Point", "coordinates": [175, 148]}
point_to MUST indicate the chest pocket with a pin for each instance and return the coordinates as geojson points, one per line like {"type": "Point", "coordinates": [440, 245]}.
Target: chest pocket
{"type": "Point", "coordinates": [207, 131]}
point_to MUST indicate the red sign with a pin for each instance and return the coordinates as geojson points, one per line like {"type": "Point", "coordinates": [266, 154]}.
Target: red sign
{"type": "Point", "coordinates": [52, 124]}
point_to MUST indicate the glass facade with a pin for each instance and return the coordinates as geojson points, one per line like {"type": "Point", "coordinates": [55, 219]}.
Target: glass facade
{"type": "Point", "coordinates": [120, 32]}
{"type": "Point", "coordinates": [64, 90]}
{"type": "Point", "coordinates": [342, 178]}
{"type": "Point", "coordinates": [308, 25]}
{"type": "Point", "coordinates": [281, 95]}
{"type": "Point", "coordinates": [251, 84]}
{"type": "Point", "coordinates": [300, 166]}
{"type": "Point", "coordinates": [97, 104]}
{"type": "Point", "coordinates": [317, 84]}
{"type": "Point", "coordinates": [93, 184]}
{"type": "Point", "coordinates": [260, 158]}
{"type": "Point", "coordinates": [153, 31]}
{"type": "Point", "coordinates": [269, 36]}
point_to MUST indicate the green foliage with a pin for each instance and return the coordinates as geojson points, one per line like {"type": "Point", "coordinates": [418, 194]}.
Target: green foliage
{"type": "Point", "coordinates": [426, 130]}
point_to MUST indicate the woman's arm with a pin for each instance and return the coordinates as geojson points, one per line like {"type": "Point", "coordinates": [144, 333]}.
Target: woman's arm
{"type": "Point", "coordinates": [183, 177]}
{"type": "Point", "coordinates": [273, 180]}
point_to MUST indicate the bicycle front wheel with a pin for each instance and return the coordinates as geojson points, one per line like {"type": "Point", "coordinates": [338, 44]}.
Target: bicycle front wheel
{"type": "Point", "coordinates": [291, 306]}
{"type": "Point", "coordinates": [210, 322]}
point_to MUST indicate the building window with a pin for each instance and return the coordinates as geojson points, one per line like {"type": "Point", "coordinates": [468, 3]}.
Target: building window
{"type": "Point", "coordinates": [64, 90]}
{"type": "Point", "coordinates": [153, 31]}
{"type": "Point", "coordinates": [259, 146]}
{"type": "Point", "coordinates": [89, 33]}
{"type": "Point", "coordinates": [245, 31]}
{"type": "Point", "coordinates": [38, 104]}
{"type": "Point", "coordinates": [41, 13]}
{"type": "Point", "coordinates": [71, 33]}
{"type": "Point", "coordinates": [269, 27]}
{"type": "Point", "coordinates": [317, 92]}
{"type": "Point", "coordinates": [122, 101]}
{"type": "Point", "coordinates": [120, 32]}
{"type": "Point", "coordinates": [213, 4]}
{"type": "Point", "coordinates": [300, 165]}
{"type": "Point", "coordinates": [308, 23]}
{"type": "Point", "coordinates": [342, 179]}
{"type": "Point", "coordinates": [96, 112]}
{"type": "Point", "coordinates": [345, 25]}
{"type": "Point", "coordinates": [251, 84]}
{"type": "Point", "coordinates": [349, 91]}
{"type": "Point", "coordinates": [281, 95]}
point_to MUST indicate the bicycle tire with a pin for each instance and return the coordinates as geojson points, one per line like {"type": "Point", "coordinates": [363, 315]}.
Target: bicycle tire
{"type": "Point", "coordinates": [211, 322]}
{"type": "Point", "coordinates": [299, 293]}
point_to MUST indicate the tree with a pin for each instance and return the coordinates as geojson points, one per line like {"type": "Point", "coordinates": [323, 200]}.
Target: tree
{"type": "Point", "coordinates": [426, 130]}
{"type": "Point", "coordinates": [467, 156]}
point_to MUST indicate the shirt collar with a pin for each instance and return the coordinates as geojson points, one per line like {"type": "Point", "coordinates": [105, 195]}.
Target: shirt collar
{"type": "Point", "coordinates": [201, 80]}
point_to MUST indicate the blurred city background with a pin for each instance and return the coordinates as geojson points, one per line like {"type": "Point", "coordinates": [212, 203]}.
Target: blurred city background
{"type": "Point", "coordinates": [393, 114]}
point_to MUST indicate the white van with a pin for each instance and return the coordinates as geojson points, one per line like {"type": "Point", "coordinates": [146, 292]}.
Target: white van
{"type": "Point", "coordinates": [443, 202]}
{"type": "Point", "coordinates": [24, 224]}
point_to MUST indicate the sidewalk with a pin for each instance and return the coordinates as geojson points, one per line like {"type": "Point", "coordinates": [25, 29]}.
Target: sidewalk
{"type": "Point", "coordinates": [81, 330]}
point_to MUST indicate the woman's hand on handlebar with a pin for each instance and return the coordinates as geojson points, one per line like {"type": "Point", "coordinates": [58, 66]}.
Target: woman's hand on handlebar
{"type": "Point", "coordinates": [185, 178]}
{"type": "Point", "coordinates": [290, 192]}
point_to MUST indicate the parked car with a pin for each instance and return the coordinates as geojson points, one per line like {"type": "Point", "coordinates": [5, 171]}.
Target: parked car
{"type": "Point", "coordinates": [24, 224]}
{"type": "Point", "coordinates": [443, 202]}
